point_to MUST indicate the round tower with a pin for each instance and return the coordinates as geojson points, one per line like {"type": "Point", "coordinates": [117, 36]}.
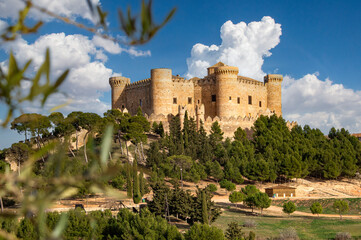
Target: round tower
{"type": "Point", "coordinates": [118, 85]}
{"type": "Point", "coordinates": [274, 92]}
{"type": "Point", "coordinates": [226, 85]}
{"type": "Point", "coordinates": [161, 91]}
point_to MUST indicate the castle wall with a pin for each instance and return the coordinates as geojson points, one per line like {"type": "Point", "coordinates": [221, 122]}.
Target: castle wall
{"type": "Point", "coordinates": [207, 90]}
{"type": "Point", "coordinates": [183, 95]}
{"type": "Point", "coordinates": [258, 93]}
{"type": "Point", "coordinates": [138, 96]}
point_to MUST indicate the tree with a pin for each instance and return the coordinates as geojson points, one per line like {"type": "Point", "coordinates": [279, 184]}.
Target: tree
{"type": "Point", "coordinates": [136, 191]}
{"type": "Point", "coordinates": [289, 207]}
{"type": "Point", "coordinates": [234, 232]}
{"type": "Point", "coordinates": [182, 162]}
{"type": "Point", "coordinates": [212, 188]}
{"type": "Point", "coordinates": [316, 208]}
{"type": "Point", "coordinates": [236, 197]}
{"type": "Point", "coordinates": [204, 208]}
{"type": "Point", "coordinates": [340, 206]}
{"type": "Point", "coordinates": [262, 201]}
{"type": "Point", "coordinates": [90, 122]}
{"type": "Point", "coordinates": [228, 185]}
{"type": "Point", "coordinates": [203, 232]}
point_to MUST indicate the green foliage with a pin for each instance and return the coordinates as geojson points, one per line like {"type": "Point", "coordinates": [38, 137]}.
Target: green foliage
{"type": "Point", "coordinates": [227, 185]}
{"type": "Point", "coordinates": [341, 206]}
{"type": "Point", "coordinates": [236, 197]}
{"type": "Point", "coordinates": [204, 232]}
{"type": "Point", "coordinates": [234, 232]}
{"type": "Point", "coordinates": [136, 191]}
{"type": "Point", "coordinates": [289, 207]}
{"type": "Point", "coordinates": [316, 208]}
{"type": "Point", "coordinates": [262, 201]}
{"type": "Point", "coordinates": [211, 187]}
{"type": "Point", "coordinates": [205, 219]}
{"type": "Point", "coordinates": [27, 230]}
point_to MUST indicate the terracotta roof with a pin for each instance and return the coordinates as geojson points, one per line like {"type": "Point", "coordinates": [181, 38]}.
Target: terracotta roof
{"type": "Point", "coordinates": [281, 187]}
{"type": "Point", "coordinates": [356, 135]}
{"type": "Point", "coordinates": [218, 64]}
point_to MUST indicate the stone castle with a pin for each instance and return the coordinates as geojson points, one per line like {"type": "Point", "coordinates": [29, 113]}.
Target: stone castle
{"type": "Point", "coordinates": [234, 101]}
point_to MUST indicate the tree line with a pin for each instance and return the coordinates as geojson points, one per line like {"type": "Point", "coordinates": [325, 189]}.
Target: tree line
{"type": "Point", "coordinates": [273, 153]}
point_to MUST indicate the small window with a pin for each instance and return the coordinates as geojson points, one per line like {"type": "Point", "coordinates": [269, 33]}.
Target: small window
{"type": "Point", "coordinates": [230, 98]}
{"type": "Point", "coordinates": [250, 100]}
{"type": "Point", "coordinates": [175, 100]}
{"type": "Point", "coordinates": [189, 100]}
{"type": "Point", "coordinates": [260, 104]}
{"type": "Point", "coordinates": [198, 101]}
{"type": "Point", "coordinates": [140, 102]}
{"type": "Point", "coordinates": [238, 100]}
{"type": "Point", "coordinates": [123, 107]}
{"type": "Point", "coordinates": [213, 98]}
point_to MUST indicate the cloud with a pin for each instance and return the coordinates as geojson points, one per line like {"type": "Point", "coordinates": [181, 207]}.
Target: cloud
{"type": "Point", "coordinates": [88, 77]}
{"type": "Point", "coordinates": [243, 45]}
{"type": "Point", "coordinates": [65, 8]}
{"type": "Point", "coordinates": [115, 48]}
{"type": "Point", "coordinates": [321, 103]}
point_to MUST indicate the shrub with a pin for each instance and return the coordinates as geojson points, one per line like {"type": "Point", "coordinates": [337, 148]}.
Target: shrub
{"type": "Point", "coordinates": [212, 188]}
{"type": "Point", "coordinates": [288, 234]}
{"type": "Point", "coordinates": [249, 223]}
{"type": "Point", "coordinates": [343, 236]}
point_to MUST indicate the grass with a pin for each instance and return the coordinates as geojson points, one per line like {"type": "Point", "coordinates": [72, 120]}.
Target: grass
{"type": "Point", "coordinates": [304, 205]}
{"type": "Point", "coordinates": [307, 228]}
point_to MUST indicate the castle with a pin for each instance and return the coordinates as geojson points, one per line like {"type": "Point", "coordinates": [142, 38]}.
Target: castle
{"type": "Point", "coordinates": [234, 101]}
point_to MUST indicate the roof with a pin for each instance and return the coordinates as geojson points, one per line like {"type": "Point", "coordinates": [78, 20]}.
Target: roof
{"type": "Point", "coordinates": [356, 135]}
{"type": "Point", "coordinates": [281, 187]}
{"type": "Point", "coordinates": [218, 64]}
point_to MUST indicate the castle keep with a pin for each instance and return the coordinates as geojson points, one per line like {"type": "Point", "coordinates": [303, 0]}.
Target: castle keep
{"type": "Point", "coordinates": [234, 101]}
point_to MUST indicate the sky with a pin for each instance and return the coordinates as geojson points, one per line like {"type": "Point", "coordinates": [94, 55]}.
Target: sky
{"type": "Point", "coordinates": [315, 45]}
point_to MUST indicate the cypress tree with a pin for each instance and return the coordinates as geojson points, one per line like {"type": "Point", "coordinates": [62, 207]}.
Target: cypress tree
{"type": "Point", "coordinates": [141, 183]}
{"type": "Point", "coordinates": [136, 193]}
{"type": "Point", "coordinates": [204, 208]}
{"type": "Point", "coordinates": [129, 182]}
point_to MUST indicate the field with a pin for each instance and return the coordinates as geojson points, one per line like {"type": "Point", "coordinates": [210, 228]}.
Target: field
{"type": "Point", "coordinates": [304, 205]}
{"type": "Point", "coordinates": [307, 228]}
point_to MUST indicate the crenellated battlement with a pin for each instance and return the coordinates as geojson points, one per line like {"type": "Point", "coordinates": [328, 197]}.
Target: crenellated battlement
{"type": "Point", "coordinates": [138, 84]}
{"type": "Point", "coordinates": [226, 70]}
{"type": "Point", "coordinates": [273, 78]}
{"type": "Point", "coordinates": [118, 81]}
{"type": "Point", "coordinates": [246, 80]}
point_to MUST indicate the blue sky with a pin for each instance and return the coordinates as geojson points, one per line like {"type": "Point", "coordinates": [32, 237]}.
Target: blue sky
{"type": "Point", "coordinates": [316, 45]}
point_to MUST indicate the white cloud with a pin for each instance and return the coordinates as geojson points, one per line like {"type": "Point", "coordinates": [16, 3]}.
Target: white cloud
{"type": "Point", "coordinates": [88, 78]}
{"type": "Point", "coordinates": [321, 104]}
{"type": "Point", "coordinates": [66, 8]}
{"type": "Point", "coordinates": [115, 48]}
{"type": "Point", "coordinates": [243, 45]}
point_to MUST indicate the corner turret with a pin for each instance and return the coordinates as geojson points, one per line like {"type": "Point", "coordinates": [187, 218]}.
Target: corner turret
{"type": "Point", "coordinates": [274, 92]}
{"type": "Point", "coordinates": [118, 85]}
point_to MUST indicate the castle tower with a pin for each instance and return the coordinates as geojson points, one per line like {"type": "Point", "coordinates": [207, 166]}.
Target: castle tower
{"type": "Point", "coordinates": [227, 86]}
{"type": "Point", "coordinates": [119, 98]}
{"type": "Point", "coordinates": [274, 100]}
{"type": "Point", "coordinates": [161, 91]}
